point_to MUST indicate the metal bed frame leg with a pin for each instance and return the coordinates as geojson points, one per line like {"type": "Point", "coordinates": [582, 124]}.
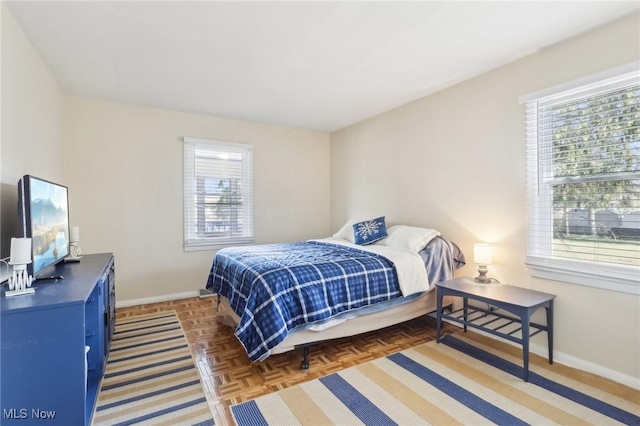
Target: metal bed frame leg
{"type": "Point", "coordinates": [305, 361]}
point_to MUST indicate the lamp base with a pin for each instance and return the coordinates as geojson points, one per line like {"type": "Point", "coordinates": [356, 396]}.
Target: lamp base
{"type": "Point", "coordinates": [27, 290]}
{"type": "Point", "coordinates": [482, 275]}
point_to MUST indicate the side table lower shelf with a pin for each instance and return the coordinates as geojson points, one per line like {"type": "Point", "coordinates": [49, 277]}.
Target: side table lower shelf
{"type": "Point", "coordinates": [506, 326]}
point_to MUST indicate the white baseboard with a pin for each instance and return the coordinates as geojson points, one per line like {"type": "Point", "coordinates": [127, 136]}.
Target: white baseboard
{"type": "Point", "coordinates": [156, 299]}
{"type": "Point", "coordinates": [589, 367]}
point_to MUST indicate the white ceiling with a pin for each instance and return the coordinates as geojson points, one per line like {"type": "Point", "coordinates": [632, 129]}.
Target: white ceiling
{"type": "Point", "coordinates": [312, 65]}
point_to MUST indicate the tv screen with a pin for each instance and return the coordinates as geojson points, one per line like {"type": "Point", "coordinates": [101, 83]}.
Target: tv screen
{"type": "Point", "coordinates": [44, 211]}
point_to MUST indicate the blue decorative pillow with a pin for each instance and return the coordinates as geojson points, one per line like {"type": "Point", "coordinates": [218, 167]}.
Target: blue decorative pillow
{"type": "Point", "coordinates": [369, 231]}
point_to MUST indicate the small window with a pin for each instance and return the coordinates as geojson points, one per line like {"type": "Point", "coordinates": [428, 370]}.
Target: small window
{"type": "Point", "coordinates": [218, 194]}
{"type": "Point", "coordinates": [583, 182]}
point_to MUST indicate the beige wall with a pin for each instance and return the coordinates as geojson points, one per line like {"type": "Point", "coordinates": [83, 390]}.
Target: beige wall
{"type": "Point", "coordinates": [32, 141]}
{"type": "Point", "coordinates": [455, 161]}
{"type": "Point", "coordinates": [126, 194]}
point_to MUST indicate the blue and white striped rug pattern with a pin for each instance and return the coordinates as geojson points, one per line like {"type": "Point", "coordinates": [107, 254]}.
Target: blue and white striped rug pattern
{"type": "Point", "coordinates": [150, 376]}
{"type": "Point", "coordinates": [467, 379]}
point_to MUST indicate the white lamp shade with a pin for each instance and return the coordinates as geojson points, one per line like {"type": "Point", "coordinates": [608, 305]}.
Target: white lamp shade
{"type": "Point", "coordinates": [482, 254]}
{"type": "Point", "coordinates": [20, 251]}
{"type": "Point", "coordinates": [74, 234]}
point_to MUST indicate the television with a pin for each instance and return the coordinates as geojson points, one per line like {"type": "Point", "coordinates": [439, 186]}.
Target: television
{"type": "Point", "coordinates": [43, 208]}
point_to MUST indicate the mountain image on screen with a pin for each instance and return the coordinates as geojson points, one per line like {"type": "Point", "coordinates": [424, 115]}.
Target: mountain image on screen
{"type": "Point", "coordinates": [49, 229]}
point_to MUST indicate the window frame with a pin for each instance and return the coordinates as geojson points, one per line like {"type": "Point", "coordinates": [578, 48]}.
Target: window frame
{"type": "Point", "coordinates": [196, 242]}
{"type": "Point", "coordinates": [539, 259]}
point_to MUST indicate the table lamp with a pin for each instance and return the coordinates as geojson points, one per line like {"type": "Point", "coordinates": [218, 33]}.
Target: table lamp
{"type": "Point", "coordinates": [20, 280]}
{"type": "Point", "coordinates": [483, 256]}
{"type": "Point", "coordinates": [74, 247]}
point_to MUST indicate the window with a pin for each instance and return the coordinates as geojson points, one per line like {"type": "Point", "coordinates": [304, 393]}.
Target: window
{"type": "Point", "coordinates": [583, 183]}
{"type": "Point", "coordinates": [218, 194]}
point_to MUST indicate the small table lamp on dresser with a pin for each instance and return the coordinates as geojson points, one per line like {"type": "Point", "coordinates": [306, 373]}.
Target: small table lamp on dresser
{"type": "Point", "coordinates": [20, 280]}
{"type": "Point", "coordinates": [74, 248]}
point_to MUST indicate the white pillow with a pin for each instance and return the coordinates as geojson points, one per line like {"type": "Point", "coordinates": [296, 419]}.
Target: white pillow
{"type": "Point", "coordinates": [346, 232]}
{"type": "Point", "coordinates": [410, 237]}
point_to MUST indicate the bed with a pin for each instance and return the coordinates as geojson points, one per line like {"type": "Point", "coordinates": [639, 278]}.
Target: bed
{"type": "Point", "coordinates": [290, 295]}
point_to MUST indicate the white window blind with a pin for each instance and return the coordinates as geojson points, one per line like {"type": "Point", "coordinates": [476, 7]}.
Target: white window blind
{"type": "Point", "coordinates": [218, 194]}
{"type": "Point", "coordinates": [583, 184]}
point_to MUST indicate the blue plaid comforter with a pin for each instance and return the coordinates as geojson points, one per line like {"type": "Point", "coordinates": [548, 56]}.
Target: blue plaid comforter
{"type": "Point", "coordinates": [275, 288]}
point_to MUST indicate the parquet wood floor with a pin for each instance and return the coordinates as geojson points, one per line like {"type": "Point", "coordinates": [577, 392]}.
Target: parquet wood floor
{"type": "Point", "coordinates": [228, 376]}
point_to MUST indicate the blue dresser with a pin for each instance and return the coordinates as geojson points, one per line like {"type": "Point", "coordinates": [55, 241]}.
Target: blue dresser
{"type": "Point", "coordinates": [44, 372]}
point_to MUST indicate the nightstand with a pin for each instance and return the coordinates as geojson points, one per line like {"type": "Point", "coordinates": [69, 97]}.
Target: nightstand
{"type": "Point", "coordinates": [518, 301]}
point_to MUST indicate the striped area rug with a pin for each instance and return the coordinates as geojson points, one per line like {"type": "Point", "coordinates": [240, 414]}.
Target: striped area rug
{"type": "Point", "coordinates": [466, 379]}
{"type": "Point", "coordinates": [150, 376]}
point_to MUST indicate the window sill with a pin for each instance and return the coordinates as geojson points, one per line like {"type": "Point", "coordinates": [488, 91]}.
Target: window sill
{"type": "Point", "coordinates": [620, 279]}
{"type": "Point", "coordinates": [217, 245]}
